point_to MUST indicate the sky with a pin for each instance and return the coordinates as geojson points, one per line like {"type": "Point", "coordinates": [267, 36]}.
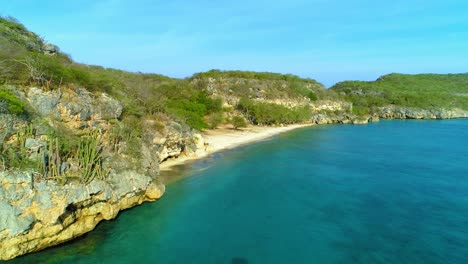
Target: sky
{"type": "Point", "coordinates": [327, 40]}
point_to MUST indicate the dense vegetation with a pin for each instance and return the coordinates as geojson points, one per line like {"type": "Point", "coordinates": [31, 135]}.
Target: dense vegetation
{"type": "Point", "coordinates": [270, 76]}
{"type": "Point", "coordinates": [263, 84]}
{"type": "Point", "coordinates": [264, 113]}
{"type": "Point", "coordinates": [9, 102]}
{"type": "Point", "coordinates": [191, 105]}
{"type": "Point", "coordinates": [427, 91]}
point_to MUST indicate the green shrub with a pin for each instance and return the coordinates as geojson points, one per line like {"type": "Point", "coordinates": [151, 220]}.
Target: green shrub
{"type": "Point", "coordinates": [189, 111]}
{"type": "Point", "coordinates": [360, 110]}
{"type": "Point", "coordinates": [190, 105]}
{"type": "Point", "coordinates": [10, 103]}
{"type": "Point", "coordinates": [238, 122]}
{"type": "Point", "coordinates": [270, 113]}
{"type": "Point", "coordinates": [215, 119]}
{"type": "Point", "coordinates": [10, 68]}
{"type": "Point", "coordinates": [247, 75]}
{"type": "Point", "coordinates": [311, 95]}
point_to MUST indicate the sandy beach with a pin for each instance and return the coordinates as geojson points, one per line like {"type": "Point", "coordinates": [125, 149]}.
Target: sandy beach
{"type": "Point", "coordinates": [227, 138]}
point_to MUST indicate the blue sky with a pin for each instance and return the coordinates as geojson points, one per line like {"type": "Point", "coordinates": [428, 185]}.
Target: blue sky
{"type": "Point", "coordinates": [330, 41]}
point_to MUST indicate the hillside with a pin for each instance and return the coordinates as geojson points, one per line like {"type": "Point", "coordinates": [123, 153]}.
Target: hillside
{"type": "Point", "coordinates": [426, 91]}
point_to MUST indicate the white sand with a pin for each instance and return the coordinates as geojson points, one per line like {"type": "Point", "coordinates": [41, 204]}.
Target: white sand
{"type": "Point", "coordinates": [226, 138]}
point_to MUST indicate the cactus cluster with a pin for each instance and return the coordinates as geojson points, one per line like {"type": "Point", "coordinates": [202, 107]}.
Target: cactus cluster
{"type": "Point", "coordinates": [90, 158]}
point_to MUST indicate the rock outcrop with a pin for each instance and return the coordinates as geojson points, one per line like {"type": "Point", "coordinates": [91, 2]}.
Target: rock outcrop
{"type": "Point", "coordinates": [231, 89]}
{"type": "Point", "coordinates": [337, 112]}
{"type": "Point", "coordinates": [77, 108]}
{"type": "Point", "coordinates": [36, 215]}
{"type": "Point", "coordinates": [331, 106]}
{"type": "Point", "coordinates": [400, 112]}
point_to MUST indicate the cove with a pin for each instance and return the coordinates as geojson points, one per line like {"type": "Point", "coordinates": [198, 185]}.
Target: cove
{"type": "Point", "coordinates": [389, 192]}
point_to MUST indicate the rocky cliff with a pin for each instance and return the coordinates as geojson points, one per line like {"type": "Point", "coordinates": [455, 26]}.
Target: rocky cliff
{"type": "Point", "coordinates": [39, 214]}
{"type": "Point", "coordinates": [345, 115]}
{"type": "Point", "coordinates": [39, 211]}
{"type": "Point", "coordinates": [400, 112]}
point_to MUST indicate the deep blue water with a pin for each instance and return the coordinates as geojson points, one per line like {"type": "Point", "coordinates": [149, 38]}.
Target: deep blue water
{"type": "Point", "coordinates": [391, 192]}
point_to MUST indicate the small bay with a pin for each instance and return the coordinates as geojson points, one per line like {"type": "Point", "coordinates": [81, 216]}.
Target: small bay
{"type": "Point", "coordinates": [388, 192]}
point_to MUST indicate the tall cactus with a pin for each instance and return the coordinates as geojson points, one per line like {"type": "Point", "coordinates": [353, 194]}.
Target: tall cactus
{"type": "Point", "coordinates": [51, 161]}
{"type": "Point", "coordinates": [89, 156]}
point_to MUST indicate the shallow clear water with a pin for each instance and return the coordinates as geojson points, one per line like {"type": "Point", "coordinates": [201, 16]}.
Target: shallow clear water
{"type": "Point", "coordinates": [391, 192]}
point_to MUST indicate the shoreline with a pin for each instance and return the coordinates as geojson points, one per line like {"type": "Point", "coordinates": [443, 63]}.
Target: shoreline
{"type": "Point", "coordinates": [227, 138]}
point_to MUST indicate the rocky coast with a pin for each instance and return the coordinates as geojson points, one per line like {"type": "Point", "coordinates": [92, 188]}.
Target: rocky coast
{"type": "Point", "coordinates": [37, 213]}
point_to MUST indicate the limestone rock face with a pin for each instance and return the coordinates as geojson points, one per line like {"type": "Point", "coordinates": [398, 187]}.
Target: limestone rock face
{"type": "Point", "coordinates": [329, 105]}
{"type": "Point", "coordinates": [78, 108]}
{"type": "Point", "coordinates": [178, 140]}
{"type": "Point", "coordinates": [328, 112]}
{"type": "Point", "coordinates": [44, 103]}
{"type": "Point", "coordinates": [36, 215]}
{"type": "Point", "coordinates": [108, 108]}
{"type": "Point", "coordinates": [322, 119]}
{"type": "Point", "coordinates": [400, 112]}
{"type": "Point", "coordinates": [360, 120]}
{"type": "Point", "coordinates": [374, 119]}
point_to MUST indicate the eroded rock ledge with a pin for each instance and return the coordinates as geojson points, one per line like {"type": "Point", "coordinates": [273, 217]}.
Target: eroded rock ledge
{"type": "Point", "coordinates": [399, 112]}
{"type": "Point", "coordinates": [37, 215]}
{"type": "Point", "coordinates": [344, 116]}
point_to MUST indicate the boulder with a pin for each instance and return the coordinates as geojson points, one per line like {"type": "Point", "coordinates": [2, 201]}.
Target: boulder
{"type": "Point", "coordinates": [107, 108]}
{"type": "Point", "coordinates": [50, 49]}
{"type": "Point", "coordinates": [44, 103]}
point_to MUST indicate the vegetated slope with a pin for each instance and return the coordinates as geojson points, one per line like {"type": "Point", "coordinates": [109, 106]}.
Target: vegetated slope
{"type": "Point", "coordinates": [426, 91]}
{"type": "Point", "coordinates": [198, 102]}
{"type": "Point", "coordinates": [263, 97]}
{"type": "Point", "coordinates": [265, 85]}
{"type": "Point", "coordinates": [27, 60]}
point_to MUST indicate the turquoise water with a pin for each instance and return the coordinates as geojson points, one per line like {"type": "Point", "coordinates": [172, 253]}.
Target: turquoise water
{"type": "Point", "coordinates": [391, 192]}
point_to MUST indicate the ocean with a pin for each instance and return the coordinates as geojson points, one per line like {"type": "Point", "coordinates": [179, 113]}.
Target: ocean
{"type": "Point", "coordinates": [388, 192]}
